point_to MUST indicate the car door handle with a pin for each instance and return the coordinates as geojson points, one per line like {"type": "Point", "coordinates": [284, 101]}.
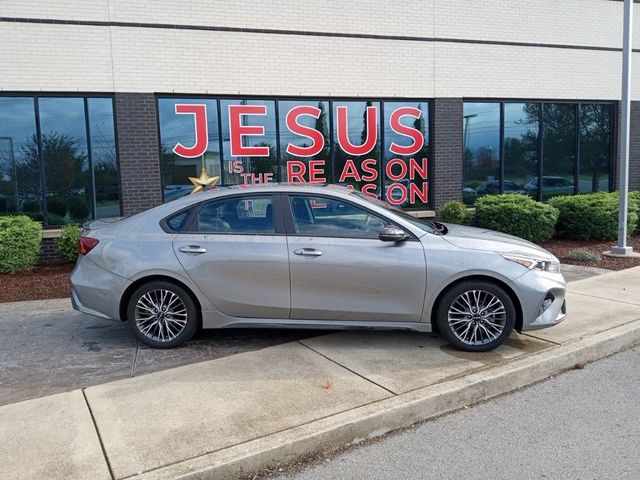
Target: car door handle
{"type": "Point", "coordinates": [195, 249]}
{"type": "Point", "coordinates": [308, 252]}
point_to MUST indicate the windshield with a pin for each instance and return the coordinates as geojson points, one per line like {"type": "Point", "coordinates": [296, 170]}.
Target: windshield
{"type": "Point", "coordinates": [423, 223]}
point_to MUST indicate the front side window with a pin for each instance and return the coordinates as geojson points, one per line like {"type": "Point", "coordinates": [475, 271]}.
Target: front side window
{"type": "Point", "coordinates": [250, 215]}
{"type": "Point", "coordinates": [326, 217]}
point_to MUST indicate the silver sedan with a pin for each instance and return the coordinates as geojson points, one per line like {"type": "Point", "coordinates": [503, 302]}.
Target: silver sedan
{"type": "Point", "coordinates": [311, 256]}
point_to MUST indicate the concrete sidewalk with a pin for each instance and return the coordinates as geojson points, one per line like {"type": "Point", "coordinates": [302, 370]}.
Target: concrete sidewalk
{"type": "Point", "coordinates": [230, 417]}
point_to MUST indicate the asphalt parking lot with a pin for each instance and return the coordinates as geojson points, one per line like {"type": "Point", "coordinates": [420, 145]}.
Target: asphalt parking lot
{"type": "Point", "coordinates": [46, 353]}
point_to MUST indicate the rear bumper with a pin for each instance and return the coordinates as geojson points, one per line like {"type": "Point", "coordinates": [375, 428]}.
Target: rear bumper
{"type": "Point", "coordinates": [96, 291]}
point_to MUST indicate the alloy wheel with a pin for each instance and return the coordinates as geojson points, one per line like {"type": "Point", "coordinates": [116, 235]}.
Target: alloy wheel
{"type": "Point", "coordinates": [477, 317]}
{"type": "Point", "coordinates": [160, 315]}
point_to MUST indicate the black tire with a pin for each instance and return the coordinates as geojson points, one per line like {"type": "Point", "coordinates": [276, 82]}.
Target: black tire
{"type": "Point", "coordinates": [460, 331]}
{"type": "Point", "coordinates": [164, 329]}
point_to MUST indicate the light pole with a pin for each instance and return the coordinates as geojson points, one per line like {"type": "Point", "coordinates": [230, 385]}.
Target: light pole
{"type": "Point", "coordinates": [621, 248]}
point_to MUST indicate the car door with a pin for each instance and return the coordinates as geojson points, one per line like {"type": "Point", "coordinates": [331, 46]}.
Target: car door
{"type": "Point", "coordinates": [235, 250]}
{"type": "Point", "coordinates": [340, 270]}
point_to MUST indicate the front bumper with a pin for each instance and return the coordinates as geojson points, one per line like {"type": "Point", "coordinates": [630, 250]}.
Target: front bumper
{"type": "Point", "coordinates": [533, 289]}
{"type": "Point", "coordinates": [96, 291]}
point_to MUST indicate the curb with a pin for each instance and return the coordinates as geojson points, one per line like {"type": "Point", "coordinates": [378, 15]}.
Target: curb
{"type": "Point", "coordinates": [378, 418]}
{"type": "Point", "coordinates": [36, 307]}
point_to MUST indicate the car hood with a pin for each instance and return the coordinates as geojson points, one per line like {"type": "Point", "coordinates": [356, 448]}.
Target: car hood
{"type": "Point", "coordinates": [473, 238]}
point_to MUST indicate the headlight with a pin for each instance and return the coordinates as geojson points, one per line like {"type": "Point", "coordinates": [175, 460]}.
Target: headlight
{"type": "Point", "coordinates": [534, 263]}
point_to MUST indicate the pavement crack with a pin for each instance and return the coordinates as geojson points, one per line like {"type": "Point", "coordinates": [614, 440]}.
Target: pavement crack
{"type": "Point", "coordinates": [95, 426]}
{"type": "Point", "coordinates": [135, 359]}
{"type": "Point", "coordinates": [349, 369]}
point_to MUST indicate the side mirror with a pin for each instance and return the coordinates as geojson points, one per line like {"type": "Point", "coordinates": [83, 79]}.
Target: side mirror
{"type": "Point", "coordinates": [392, 234]}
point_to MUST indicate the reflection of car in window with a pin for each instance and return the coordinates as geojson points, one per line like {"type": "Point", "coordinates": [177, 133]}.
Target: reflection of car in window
{"type": "Point", "coordinates": [550, 184]}
{"type": "Point", "coordinates": [493, 187]}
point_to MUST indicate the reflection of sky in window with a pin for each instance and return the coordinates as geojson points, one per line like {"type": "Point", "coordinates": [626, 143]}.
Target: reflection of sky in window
{"type": "Point", "coordinates": [176, 128]}
{"type": "Point", "coordinates": [392, 137]}
{"type": "Point", "coordinates": [17, 122]}
{"type": "Point", "coordinates": [101, 129]}
{"type": "Point", "coordinates": [286, 136]}
{"type": "Point", "coordinates": [516, 123]}
{"type": "Point", "coordinates": [355, 116]}
{"type": "Point", "coordinates": [268, 121]}
{"type": "Point", "coordinates": [64, 116]}
{"type": "Point", "coordinates": [482, 121]}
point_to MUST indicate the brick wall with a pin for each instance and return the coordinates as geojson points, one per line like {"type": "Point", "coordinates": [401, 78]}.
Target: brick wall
{"type": "Point", "coordinates": [137, 128]}
{"type": "Point", "coordinates": [48, 252]}
{"type": "Point", "coordinates": [446, 162]}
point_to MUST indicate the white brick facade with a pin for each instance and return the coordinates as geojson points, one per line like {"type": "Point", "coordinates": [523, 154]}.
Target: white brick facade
{"type": "Point", "coordinates": [111, 57]}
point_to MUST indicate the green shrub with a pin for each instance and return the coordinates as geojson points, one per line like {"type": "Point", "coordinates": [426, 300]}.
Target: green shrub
{"type": "Point", "coordinates": [20, 239]}
{"type": "Point", "coordinates": [583, 255]}
{"type": "Point", "coordinates": [454, 212]}
{"type": "Point", "coordinates": [78, 208]}
{"type": "Point", "coordinates": [67, 244]}
{"type": "Point", "coordinates": [591, 216]}
{"type": "Point", "coordinates": [517, 215]}
{"type": "Point", "coordinates": [634, 203]}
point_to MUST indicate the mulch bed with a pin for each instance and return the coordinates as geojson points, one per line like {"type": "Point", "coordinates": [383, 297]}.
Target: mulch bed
{"type": "Point", "coordinates": [562, 248]}
{"type": "Point", "coordinates": [52, 281]}
{"type": "Point", "coordinates": [43, 281]}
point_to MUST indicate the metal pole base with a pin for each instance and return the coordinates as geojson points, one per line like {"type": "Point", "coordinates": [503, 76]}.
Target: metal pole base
{"type": "Point", "coordinates": [626, 252]}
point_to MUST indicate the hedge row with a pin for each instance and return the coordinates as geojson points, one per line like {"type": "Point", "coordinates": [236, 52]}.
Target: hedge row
{"type": "Point", "coordinates": [591, 216]}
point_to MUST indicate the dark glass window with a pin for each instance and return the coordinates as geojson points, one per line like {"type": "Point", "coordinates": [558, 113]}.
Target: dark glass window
{"type": "Point", "coordinates": [575, 143]}
{"type": "Point", "coordinates": [559, 149]}
{"type": "Point", "coordinates": [251, 157]}
{"type": "Point", "coordinates": [358, 124]}
{"type": "Point", "coordinates": [481, 131]}
{"type": "Point", "coordinates": [104, 158]}
{"type": "Point", "coordinates": [406, 158]}
{"type": "Point", "coordinates": [325, 217]}
{"type": "Point", "coordinates": [66, 160]}
{"type": "Point", "coordinates": [521, 151]}
{"type": "Point", "coordinates": [75, 150]}
{"type": "Point", "coordinates": [20, 179]}
{"type": "Point", "coordinates": [181, 128]}
{"type": "Point", "coordinates": [238, 215]}
{"type": "Point", "coordinates": [595, 147]}
{"type": "Point", "coordinates": [304, 157]}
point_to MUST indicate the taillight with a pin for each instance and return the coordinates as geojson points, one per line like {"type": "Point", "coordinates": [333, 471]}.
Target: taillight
{"type": "Point", "coordinates": [86, 244]}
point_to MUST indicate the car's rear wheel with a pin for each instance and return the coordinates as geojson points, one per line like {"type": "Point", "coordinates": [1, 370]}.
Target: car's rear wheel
{"type": "Point", "coordinates": [162, 314]}
{"type": "Point", "coordinates": [476, 316]}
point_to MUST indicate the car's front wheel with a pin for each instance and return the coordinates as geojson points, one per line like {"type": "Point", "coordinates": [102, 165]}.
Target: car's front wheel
{"type": "Point", "coordinates": [162, 314]}
{"type": "Point", "coordinates": [476, 316]}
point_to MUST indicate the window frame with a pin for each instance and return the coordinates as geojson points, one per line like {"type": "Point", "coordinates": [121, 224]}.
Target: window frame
{"type": "Point", "coordinates": [194, 211]}
{"type": "Point", "coordinates": [291, 227]}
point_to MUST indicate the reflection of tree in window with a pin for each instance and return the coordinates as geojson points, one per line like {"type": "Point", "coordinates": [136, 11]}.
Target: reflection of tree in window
{"type": "Point", "coordinates": [342, 157]}
{"type": "Point", "coordinates": [66, 176]}
{"type": "Point", "coordinates": [521, 145]}
{"type": "Point", "coordinates": [595, 147]}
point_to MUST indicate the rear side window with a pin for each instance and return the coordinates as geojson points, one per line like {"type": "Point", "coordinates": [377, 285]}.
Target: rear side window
{"type": "Point", "coordinates": [177, 222]}
{"type": "Point", "coordinates": [251, 215]}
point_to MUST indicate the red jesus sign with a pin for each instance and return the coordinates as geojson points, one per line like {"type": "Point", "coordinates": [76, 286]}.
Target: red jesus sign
{"type": "Point", "coordinates": [404, 169]}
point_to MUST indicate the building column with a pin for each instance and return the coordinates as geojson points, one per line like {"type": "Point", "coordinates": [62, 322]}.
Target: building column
{"type": "Point", "coordinates": [634, 148]}
{"type": "Point", "coordinates": [446, 141]}
{"type": "Point", "coordinates": [138, 148]}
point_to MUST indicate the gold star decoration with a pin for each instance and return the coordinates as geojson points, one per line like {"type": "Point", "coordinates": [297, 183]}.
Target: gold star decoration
{"type": "Point", "coordinates": [204, 180]}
